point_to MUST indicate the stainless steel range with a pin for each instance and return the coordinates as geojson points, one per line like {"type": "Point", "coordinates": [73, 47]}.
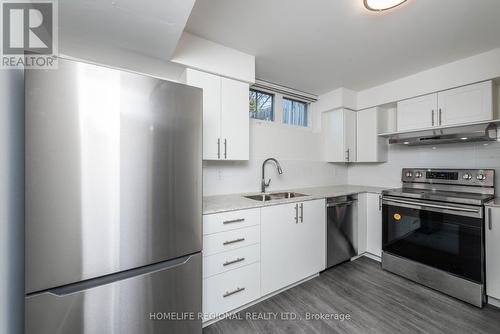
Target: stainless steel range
{"type": "Point", "coordinates": [433, 229]}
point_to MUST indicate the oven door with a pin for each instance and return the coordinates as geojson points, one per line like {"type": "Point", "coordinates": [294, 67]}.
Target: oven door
{"type": "Point", "coordinates": [444, 236]}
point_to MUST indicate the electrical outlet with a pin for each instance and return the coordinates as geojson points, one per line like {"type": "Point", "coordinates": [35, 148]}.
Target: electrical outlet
{"type": "Point", "coordinates": [220, 174]}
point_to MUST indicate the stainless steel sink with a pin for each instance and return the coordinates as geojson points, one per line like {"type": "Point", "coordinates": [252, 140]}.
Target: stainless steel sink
{"type": "Point", "coordinates": [260, 197]}
{"type": "Point", "coordinates": [273, 196]}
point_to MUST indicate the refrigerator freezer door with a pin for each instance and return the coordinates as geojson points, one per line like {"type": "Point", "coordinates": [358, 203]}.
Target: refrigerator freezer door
{"type": "Point", "coordinates": [113, 172]}
{"type": "Point", "coordinates": [161, 301]}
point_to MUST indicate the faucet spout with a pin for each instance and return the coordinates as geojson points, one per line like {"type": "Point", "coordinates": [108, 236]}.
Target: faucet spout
{"type": "Point", "coordinates": [265, 184]}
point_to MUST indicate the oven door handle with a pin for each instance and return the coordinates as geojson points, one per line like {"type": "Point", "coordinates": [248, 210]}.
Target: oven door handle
{"type": "Point", "coordinates": [429, 205]}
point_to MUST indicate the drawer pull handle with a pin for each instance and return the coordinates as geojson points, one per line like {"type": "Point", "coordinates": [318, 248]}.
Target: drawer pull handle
{"type": "Point", "coordinates": [227, 294]}
{"type": "Point", "coordinates": [234, 221]}
{"type": "Point", "coordinates": [227, 263]}
{"type": "Point", "coordinates": [233, 241]}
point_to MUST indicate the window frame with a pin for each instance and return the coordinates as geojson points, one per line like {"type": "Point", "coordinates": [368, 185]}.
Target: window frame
{"type": "Point", "coordinates": [306, 110]}
{"type": "Point", "coordinates": [273, 107]}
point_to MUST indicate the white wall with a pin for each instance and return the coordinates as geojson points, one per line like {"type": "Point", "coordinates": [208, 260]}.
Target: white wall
{"type": "Point", "coordinates": [11, 202]}
{"type": "Point", "coordinates": [465, 155]}
{"type": "Point", "coordinates": [122, 59]}
{"type": "Point", "coordinates": [477, 68]}
{"type": "Point", "coordinates": [338, 98]}
{"type": "Point", "coordinates": [299, 151]}
{"type": "Point", "coordinates": [204, 55]}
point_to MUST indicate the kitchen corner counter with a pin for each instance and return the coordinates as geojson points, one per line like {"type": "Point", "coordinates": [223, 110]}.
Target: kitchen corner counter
{"type": "Point", "coordinates": [494, 202]}
{"type": "Point", "coordinates": [232, 202]}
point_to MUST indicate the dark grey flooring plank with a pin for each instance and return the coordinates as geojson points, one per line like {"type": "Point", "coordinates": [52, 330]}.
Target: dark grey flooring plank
{"type": "Point", "coordinates": [376, 300]}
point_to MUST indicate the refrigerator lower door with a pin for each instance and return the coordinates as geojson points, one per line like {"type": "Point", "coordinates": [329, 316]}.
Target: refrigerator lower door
{"type": "Point", "coordinates": [162, 298]}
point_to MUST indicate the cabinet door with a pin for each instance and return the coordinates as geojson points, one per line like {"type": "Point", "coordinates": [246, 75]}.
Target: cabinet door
{"type": "Point", "coordinates": [492, 251]}
{"type": "Point", "coordinates": [362, 238]}
{"type": "Point", "coordinates": [235, 121]}
{"type": "Point", "coordinates": [417, 113]}
{"type": "Point", "coordinates": [466, 104]}
{"type": "Point", "coordinates": [292, 248]}
{"type": "Point", "coordinates": [369, 146]}
{"type": "Point", "coordinates": [211, 85]}
{"type": "Point", "coordinates": [339, 134]}
{"type": "Point", "coordinates": [311, 235]}
{"type": "Point", "coordinates": [373, 224]}
{"type": "Point", "coordinates": [350, 135]}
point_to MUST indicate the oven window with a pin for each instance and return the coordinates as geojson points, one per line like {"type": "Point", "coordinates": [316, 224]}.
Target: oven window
{"type": "Point", "coordinates": [448, 242]}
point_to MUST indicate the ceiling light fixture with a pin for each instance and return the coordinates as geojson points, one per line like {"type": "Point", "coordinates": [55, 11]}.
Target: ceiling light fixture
{"type": "Point", "coordinates": [380, 5]}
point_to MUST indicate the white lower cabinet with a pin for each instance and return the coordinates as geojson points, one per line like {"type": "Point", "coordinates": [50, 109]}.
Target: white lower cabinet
{"type": "Point", "coordinates": [492, 242]}
{"type": "Point", "coordinates": [248, 254]}
{"type": "Point", "coordinates": [231, 261]}
{"type": "Point", "coordinates": [370, 224]}
{"type": "Point", "coordinates": [226, 241]}
{"type": "Point", "coordinates": [230, 290]}
{"type": "Point", "coordinates": [292, 243]}
{"type": "Point", "coordinates": [222, 262]}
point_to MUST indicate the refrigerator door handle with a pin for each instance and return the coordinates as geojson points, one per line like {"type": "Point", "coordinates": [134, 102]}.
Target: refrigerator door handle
{"type": "Point", "coordinates": [113, 278]}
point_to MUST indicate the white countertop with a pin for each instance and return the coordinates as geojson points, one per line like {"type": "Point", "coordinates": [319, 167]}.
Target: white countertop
{"type": "Point", "coordinates": [231, 202]}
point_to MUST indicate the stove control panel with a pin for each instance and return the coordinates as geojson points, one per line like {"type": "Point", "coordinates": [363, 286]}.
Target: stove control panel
{"type": "Point", "coordinates": [466, 177]}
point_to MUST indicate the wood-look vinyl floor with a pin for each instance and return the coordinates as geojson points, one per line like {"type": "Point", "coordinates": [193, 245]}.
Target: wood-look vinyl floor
{"type": "Point", "coordinates": [376, 301]}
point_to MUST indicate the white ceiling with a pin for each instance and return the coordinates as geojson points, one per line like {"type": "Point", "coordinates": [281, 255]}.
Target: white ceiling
{"type": "Point", "coordinates": [320, 45]}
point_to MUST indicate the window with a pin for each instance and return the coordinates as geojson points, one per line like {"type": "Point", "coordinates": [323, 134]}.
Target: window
{"type": "Point", "coordinates": [294, 112]}
{"type": "Point", "coordinates": [261, 105]}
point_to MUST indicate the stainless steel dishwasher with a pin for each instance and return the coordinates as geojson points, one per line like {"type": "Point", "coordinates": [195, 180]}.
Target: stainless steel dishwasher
{"type": "Point", "coordinates": [341, 229]}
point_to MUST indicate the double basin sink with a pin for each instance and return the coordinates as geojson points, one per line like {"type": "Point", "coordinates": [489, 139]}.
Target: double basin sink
{"type": "Point", "coordinates": [274, 196]}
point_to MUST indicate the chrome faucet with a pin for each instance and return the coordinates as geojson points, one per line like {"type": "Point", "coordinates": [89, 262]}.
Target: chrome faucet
{"type": "Point", "coordinates": [265, 184]}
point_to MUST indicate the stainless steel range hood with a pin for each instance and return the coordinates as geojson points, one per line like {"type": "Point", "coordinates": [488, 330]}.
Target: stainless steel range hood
{"type": "Point", "coordinates": [461, 134]}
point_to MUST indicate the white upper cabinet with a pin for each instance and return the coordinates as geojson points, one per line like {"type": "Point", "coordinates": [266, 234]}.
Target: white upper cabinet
{"type": "Point", "coordinates": [473, 103]}
{"type": "Point", "coordinates": [417, 113]}
{"type": "Point", "coordinates": [211, 86]}
{"type": "Point", "coordinates": [225, 115]}
{"type": "Point", "coordinates": [293, 245]}
{"type": "Point", "coordinates": [235, 119]}
{"type": "Point", "coordinates": [467, 104]}
{"type": "Point", "coordinates": [339, 130]}
{"type": "Point", "coordinates": [369, 146]}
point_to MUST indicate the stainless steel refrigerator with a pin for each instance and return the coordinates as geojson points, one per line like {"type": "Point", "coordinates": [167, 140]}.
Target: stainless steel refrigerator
{"type": "Point", "coordinates": [113, 202]}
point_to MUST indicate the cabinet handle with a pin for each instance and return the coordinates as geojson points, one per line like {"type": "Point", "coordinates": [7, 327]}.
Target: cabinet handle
{"type": "Point", "coordinates": [301, 212]}
{"type": "Point", "coordinates": [227, 263]}
{"type": "Point", "coordinates": [227, 294]}
{"type": "Point", "coordinates": [432, 117]}
{"type": "Point", "coordinates": [380, 203]}
{"type": "Point", "coordinates": [234, 221]}
{"type": "Point", "coordinates": [225, 243]}
{"type": "Point", "coordinates": [440, 116]}
{"type": "Point", "coordinates": [296, 213]}
{"type": "Point", "coordinates": [490, 224]}
{"type": "Point", "coordinates": [218, 148]}
{"type": "Point", "coordinates": [225, 148]}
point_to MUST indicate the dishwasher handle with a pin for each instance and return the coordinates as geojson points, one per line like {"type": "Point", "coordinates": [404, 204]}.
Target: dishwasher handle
{"type": "Point", "coordinates": [346, 203]}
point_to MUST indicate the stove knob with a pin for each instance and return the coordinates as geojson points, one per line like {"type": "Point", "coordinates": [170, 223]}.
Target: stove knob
{"type": "Point", "coordinates": [467, 176]}
{"type": "Point", "coordinates": [409, 174]}
{"type": "Point", "coordinates": [418, 174]}
{"type": "Point", "coordinates": [481, 177]}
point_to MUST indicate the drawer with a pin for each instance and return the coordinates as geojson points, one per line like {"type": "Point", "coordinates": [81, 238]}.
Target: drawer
{"type": "Point", "coordinates": [224, 241]}
{"type": "Point", "coordinates": [226, 221]}
{"type": "Point", "coordinates": [230, 290]}
{"type": "Point", "coordinates": [225, 261]}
